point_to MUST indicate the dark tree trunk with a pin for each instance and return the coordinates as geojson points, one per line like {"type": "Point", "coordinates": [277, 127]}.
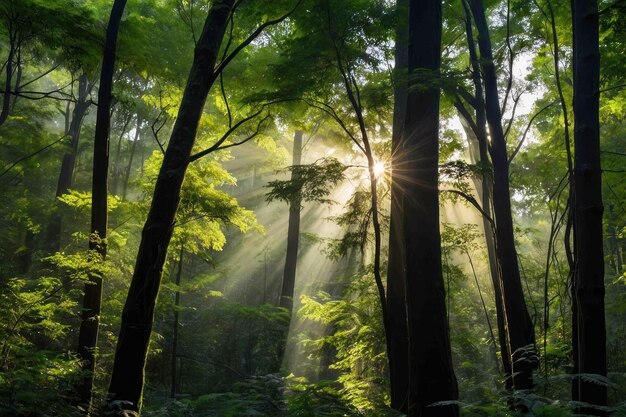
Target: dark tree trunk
{"type": "Point", "coordinates": [69, 158]}
{"type": "Point", "coordinates": [519, 326]}
{"type": "Point", "coordinates": [133, 147]}
{"type": "Point", "coordinates": [431, 375]}
{"type": "Point", "coordinates": [293, 233]}
{"type": "Point", "coordinates": [398, 341]}
{"type": "Point", "coordinates": [137, 318]}
{"type": "Point", "coordinates": [484, 189]}
{"type": "Point", "coordinates": [588, 208]}
{"type": "Point", "coordinates": [68, 162]}
{"type": "Point", "coordinates": [88, 335]}
{"type": "Point", "coordinates": [174, 362]}
{"type": "Point", "coordinates": [8, 83]}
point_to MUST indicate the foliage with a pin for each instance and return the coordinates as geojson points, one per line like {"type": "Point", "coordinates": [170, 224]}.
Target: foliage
{"type": "Point", "coordinates": [356, 339]}
{"type": "Point", "coordinates": [312, 183]}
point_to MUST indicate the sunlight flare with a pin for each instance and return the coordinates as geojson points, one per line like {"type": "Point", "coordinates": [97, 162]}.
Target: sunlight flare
{"type": "Point", "coordinates": [379, 169]}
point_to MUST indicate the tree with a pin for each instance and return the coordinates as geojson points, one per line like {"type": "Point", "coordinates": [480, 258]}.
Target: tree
{"type": "Point", "coordinates": [588, 282]}
{"type": "Point", "coordinates": [127, 379]}
{"type": "Point", "coordinates": [293, 231]}
{"type": "Point", "coordinates": [398, 353]}
{"type": "Point", "coordinates": [520, 329]}
{"type": "Point", "coordinates": [132, 347]}
{"type": "Point", "coordinates": [431, 377]}
{"type": "Point", "coordinates": [88, 334]}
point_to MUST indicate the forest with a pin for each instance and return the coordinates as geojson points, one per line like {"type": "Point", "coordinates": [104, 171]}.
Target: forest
{"type": "Point", "coordinates": [312, 208]}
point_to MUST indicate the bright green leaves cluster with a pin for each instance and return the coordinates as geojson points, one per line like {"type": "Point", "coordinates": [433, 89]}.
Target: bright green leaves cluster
{"type": "Point", "coordinates": [309, 183]}
{"type": "Point", "coordinates": [357, 338]}
{"type": "Point", "coordinates": [38, 317]}
{"type": "Point", "coordinates": [204, 209]}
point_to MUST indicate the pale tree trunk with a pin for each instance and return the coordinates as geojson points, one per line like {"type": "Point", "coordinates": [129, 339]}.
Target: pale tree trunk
{"type": "Point", "coordinates": [133, 147]}
{"type": "Point", "coordinates": [115, 173]}
{"type": "Point", "coordinates": [174, 362]}
{"type": "Point", "coordinates": [293, 231]}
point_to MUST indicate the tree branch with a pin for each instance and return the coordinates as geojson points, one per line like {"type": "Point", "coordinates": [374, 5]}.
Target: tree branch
{"type": "Point", "coordinates": [218, 144]}
{"type": "Point", "coordinates": [31, 155]}
{"type": "Point", "coordinates": [470, 200]}
{"type": "Point", "coordinates": [530, 122]}
{"type": "Point", "coordinates": [252, 37]}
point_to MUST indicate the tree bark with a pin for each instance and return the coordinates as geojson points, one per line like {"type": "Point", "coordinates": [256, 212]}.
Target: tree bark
{"type": "Point", "coordinates": [88, 334]}
{"type": "Point", "coordinates": [520, 329]}
{"type": "Point", "coordinates": [293, 232]}
{"type": "Point", "coordinates": [127, 379]}
{"type": "Point", "coordinates": [589, 263]}
{"type": "Point", "coordinates": [398, 344]}
{"type": "Point", "coordinates": [431, 375]}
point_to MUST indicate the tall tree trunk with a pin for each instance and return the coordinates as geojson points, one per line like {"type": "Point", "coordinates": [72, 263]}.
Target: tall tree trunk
{"type": "Point", "coordinates": [520, 329]}
{"type": "Point", "coordinates": [174, 362]}
{"type": "Point", "coordinates": [88, 335]}
{"type": "Point", "coordinates": [398, 344]}
{"type": "Point", "coordinates": [127, 379]}
{"type": "Point", "coordinates": [293, 232]}
{"type": "Point", "coordinates": [588, 208]}
{"type": "Point", "coordinates": [431, 375]}
{"type": "Point", "coordinates": [484, 189]}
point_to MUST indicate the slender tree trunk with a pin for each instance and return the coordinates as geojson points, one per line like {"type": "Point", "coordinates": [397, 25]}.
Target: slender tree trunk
{"type": "Point", "coordinates": [115, 174]}
{"type": "Point", "coordinates": [127, 379]}
{"type": "Point", "coordinates": [520, 329]}
{"type": "Point", "coordinates": [619, 255]}
{"type": "Point", "coordinates": [484, 189]}
{"type": "Point", "coordinates": [130, 159]}
{"type": "Point", "coordinates": [69, 158]}
{"type": "Point", "coordinates": [293, 232]}
{"type": "Point", "coordinates": [483, 186]}
{"type": "Point", "coordinates": [18, 75]}
{"type": "Point", "coordinates": [431, 375]}
{"type": "Point", "coordinates": [174, 362]}
{"type": "Point", "coordinates": [398, 345]}
{"type": "Point", "coordinates": [589, 264]}
{"type": "Point", "coordinates": [8, 83]}
{"type": "Point", "coordinates": [68, 164]}
{"type": "Point", "coordinates": [88, 335]}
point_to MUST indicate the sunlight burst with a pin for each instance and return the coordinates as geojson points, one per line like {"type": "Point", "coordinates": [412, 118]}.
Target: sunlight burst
{"type": "Point", "coordinates": [379, 169]}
